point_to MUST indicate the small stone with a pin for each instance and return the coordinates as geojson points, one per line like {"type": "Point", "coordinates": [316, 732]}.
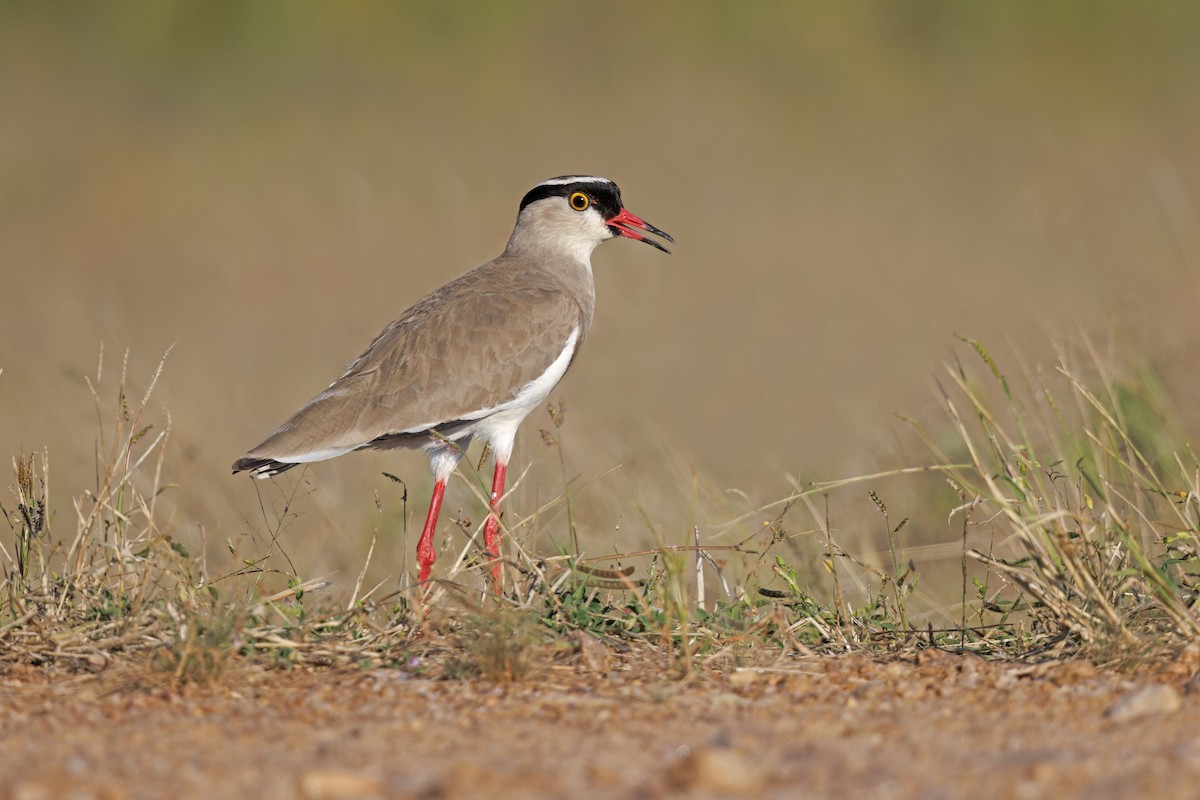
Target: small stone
{"type": "Point", "coordinates": [26, 790]}
{"type": "Point", "coordinates": [338, 784]}
{"type": "Point", "coordinates": [1007, 679]}
{"type": "Point", "coordinates": [1188, 752]}
{"type": "Point", "coordinates": [593, 655]}
{"type": "Point", "coordinates": [935, 656]}
{"type": "Point", "coordinates": [1147, 701]}
{"type": "Point", "coordinates": [1072, 672]}
{"type": "Point", "coordinates": [744, 677]}
{"type": "Point", "coordinates": [869, 687]}
{"type": "Point", "coordinates": [1189, 656]}
{"type": "Point", "coordinates": [716, 770]}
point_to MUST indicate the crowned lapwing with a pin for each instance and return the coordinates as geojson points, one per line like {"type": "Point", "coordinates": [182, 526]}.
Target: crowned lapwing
{"type": "Point", "coordinates": [473, 358]}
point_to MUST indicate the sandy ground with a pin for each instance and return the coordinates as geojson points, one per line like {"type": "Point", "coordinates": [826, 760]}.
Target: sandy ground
{"type": "Point", "coordinates": [944, 726]}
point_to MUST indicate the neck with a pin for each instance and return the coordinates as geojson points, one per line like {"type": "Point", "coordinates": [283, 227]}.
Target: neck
{"type": "Point", "coordinates": [550, 248]}
{"type": "Point", "coordinates": [567, 258]}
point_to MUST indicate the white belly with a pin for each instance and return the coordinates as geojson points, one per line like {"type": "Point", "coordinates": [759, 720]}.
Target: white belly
{"type": "Point", "coordinates": [498, 425]}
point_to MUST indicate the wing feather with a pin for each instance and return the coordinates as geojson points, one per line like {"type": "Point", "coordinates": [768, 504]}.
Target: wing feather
{"type": "Point", "coordinates": [469, 346]}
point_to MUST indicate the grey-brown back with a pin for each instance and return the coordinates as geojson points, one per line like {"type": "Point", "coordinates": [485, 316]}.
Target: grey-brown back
{"type": "Point", "coordinates": [469, 346]}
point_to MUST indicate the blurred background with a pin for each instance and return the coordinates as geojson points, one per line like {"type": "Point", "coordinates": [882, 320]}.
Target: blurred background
{"type": "Point", "coordinates": [266, 184]}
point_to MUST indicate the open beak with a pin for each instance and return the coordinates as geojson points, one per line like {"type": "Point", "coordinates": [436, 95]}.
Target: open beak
{"type": "Point", "coordinates": [631, 226]}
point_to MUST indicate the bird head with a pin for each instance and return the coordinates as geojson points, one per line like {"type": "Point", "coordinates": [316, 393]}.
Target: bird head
{"type": "Point", "coordinates": [576, 213]}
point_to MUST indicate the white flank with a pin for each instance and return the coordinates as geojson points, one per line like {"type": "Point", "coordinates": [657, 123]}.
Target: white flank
{"type": "Point", "coordinates": [498, 425]}
{"type": "Point", "coordinates": [316, 455]}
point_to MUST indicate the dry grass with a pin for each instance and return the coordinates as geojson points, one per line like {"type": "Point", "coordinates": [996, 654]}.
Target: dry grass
{"type": "Point", "coordinates": [1081, 471]}
{"type": "Point", "coordinates": [887, 171]}
{"type": "Point", "coordinates": [1091, 512]}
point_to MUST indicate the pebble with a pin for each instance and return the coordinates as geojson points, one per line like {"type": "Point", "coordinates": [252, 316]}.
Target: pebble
{"type": "Point", "coordinates": [338, 784]}
{"type": "Point", "coordinates": [717, 770]}
{"type": "Point", "coordinates": [1145, 702]}
{"type": "Point", "coordinates": [744, 677]}
{"type": "Point", "coordinates": [593, 655]}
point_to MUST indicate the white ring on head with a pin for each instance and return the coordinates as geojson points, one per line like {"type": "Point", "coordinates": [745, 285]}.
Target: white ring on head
{"type": "Point", "coordinates": [575, 179]}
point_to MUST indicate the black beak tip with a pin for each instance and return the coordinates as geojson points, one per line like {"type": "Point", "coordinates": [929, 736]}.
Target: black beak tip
{"type": "Point", "coordinates": [662, 235]}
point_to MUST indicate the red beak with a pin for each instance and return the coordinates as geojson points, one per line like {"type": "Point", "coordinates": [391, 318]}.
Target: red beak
{"type": "Point", "coordinates": [631, 226]}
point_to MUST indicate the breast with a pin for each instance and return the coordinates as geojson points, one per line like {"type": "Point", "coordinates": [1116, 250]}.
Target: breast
{"type": "Point", "coordinates": [498, 425]}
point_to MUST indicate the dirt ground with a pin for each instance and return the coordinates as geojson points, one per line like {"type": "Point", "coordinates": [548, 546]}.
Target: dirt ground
{"type": "Point", "coordinates": [940, 727]}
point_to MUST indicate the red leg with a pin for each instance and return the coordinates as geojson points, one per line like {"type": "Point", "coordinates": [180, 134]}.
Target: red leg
{"type": "Point", "coordinates": [425, 552]}
{"type": "Point", "coordinates": [491, 530]}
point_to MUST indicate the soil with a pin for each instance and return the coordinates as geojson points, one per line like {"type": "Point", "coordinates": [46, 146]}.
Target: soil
{"type": "Point", "coordinates": [938, 726]}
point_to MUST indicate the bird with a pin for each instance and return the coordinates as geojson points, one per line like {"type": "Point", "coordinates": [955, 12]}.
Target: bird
{"type": "Point", "coordinates": [473, 358]}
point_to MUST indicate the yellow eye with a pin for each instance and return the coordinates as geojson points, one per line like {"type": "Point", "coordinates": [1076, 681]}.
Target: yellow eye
{"type": "Point", "coordinates": [579, 201]}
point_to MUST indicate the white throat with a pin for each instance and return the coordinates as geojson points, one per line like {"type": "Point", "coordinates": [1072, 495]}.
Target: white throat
{"type": "Point", "coordinates": [549, 230]}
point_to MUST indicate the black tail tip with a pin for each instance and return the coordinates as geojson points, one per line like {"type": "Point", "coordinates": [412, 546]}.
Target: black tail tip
{"type": "Point", "coordinates": [260, 467]}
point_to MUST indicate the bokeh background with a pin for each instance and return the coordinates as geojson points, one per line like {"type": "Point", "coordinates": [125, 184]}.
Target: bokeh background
{"type": "Point", "coordinates": [266, 184]}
